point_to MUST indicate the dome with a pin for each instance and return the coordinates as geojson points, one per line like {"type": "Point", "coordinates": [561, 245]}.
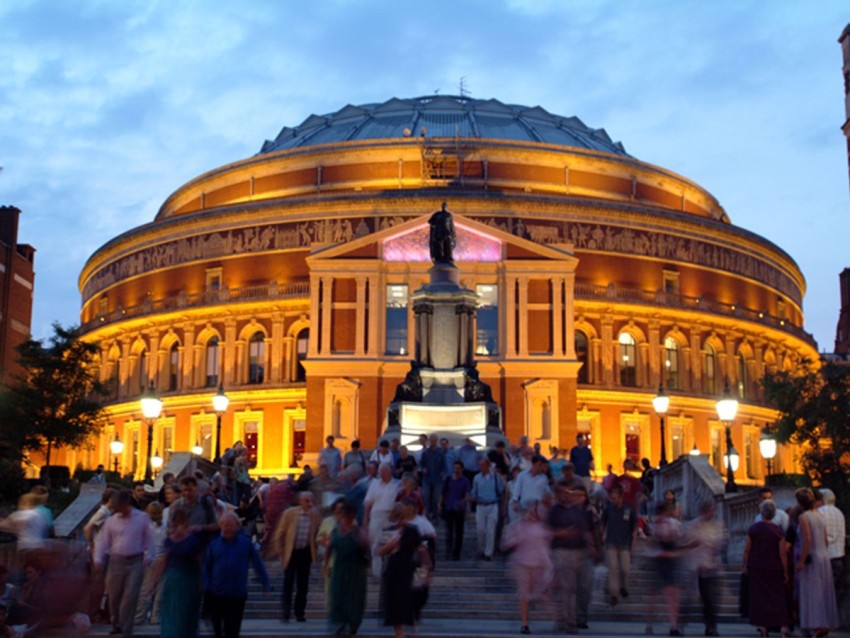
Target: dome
{"type": "Point", "coordinates": [444, 116]}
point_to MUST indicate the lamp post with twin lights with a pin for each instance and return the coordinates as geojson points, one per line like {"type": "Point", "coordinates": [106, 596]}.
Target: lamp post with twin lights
{"type": "Point", "coordinates": [727, 410]}
{"type": "Point", "coordinates": [220, 403]}
{"type": "Point", "coordinates": [151, 409]}
{"type": "Point", "coordinates": [661, 403]}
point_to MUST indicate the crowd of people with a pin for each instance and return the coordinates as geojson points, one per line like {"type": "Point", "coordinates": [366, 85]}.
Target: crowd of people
{"type": "Point", "coordinates": [794, 564]}
{"type": "Point", "coordinates": [171, 557]}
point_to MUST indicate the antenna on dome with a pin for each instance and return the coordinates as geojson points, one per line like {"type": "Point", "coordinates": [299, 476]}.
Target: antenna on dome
{"type": "Point", "coordinates": [463, 91]}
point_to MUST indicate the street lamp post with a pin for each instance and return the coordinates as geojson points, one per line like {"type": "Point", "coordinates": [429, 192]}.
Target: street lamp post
{"type": "Point", "coordinates": [220, 402]}
{"type": "Point", "coordinates": [661, 403]}
{"type": "Point", "coordinates": [116, 447]}
{"type": "Point", "coordinates": [767, 446]}
{"type": "Point", "coordinates": [151, 409]}
{"type": "Point", "coordinates": [727, 409]}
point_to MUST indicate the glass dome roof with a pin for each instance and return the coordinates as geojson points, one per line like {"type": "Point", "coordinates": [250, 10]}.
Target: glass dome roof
{"type": "Point", "coordinates": [443, 116]}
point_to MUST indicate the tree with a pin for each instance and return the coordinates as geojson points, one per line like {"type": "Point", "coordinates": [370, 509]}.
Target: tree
{"type": "Point", "coordinates": [814, 407]}
{"type": "Point", "coordinates": [56, 402]}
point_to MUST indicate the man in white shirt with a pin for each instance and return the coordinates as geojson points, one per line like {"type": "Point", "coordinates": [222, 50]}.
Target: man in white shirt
{"type": "Point", "coordinates": [781, 517]}
{"type": "Point", "coordinates": [128, 539]}
{"type": "Point", "coordinates": [379, 501]}
{"type": "Point", "coordinates": [531, 486]}
{"type": "Point", "coordinates": [382, 454]}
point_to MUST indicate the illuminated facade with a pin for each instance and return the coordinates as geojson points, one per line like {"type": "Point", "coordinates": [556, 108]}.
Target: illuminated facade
{"type": "Point", "coordinates": [287, 278]}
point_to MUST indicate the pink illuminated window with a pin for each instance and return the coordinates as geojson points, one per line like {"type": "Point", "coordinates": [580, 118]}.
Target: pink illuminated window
{"type": "Point", "coordinates": [471, 245]}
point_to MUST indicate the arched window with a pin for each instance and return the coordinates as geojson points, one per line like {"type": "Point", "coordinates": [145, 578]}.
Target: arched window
{"type": "Point", "coordinates": [114, 376]}
{"type": "Point", "coordinates": [173, 366]}
{"type": "Point", "coordinates": [628, 360]}
{"type": "Point", "coordinates": [743, 380]}
{"type": "Point", "coordinates": [256, 352]}
{"type": "Point", "coordinates": [301, 344]}
{"type": "Point", "coordinates": [212, 363]}
{"type": "Point", "coordinates": [671, 363]}
{"type": "Point", "coordinates": [582, 354]}
{"type": "Point", "coordinates": [709, 373]}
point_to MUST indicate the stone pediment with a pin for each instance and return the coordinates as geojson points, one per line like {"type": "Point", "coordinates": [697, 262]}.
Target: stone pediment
{"type": "Point", "coordinates": [475, 242]}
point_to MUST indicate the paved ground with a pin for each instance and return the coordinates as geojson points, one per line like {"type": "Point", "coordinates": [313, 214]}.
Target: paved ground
{"type": "Point", "coordinates": [466, 629]}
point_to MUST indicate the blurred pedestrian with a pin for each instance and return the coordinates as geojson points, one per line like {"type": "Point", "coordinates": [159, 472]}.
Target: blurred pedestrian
{"type": "Point", "coordinates": [487, 494]}
{"type": "Point", "coordinates": [706, 537]}
{"type": "Point", "coordinates": [620, 523]}
{"type": "Point", "coordinates": [295, 544]}
{"type": "Point", "coordinates": [528, 539]}
{"type": "Point", "coordinates": [225, 577]}
{"type": "Point", "coordinates": [129, 541]}
{"type": "Point", "coordinates": [180, 566]}
{"type": "Point", "coordinates": [667, 536]}
{"type": "Point", "coordinates": [398, 551]}
{"type": "Point", "coordinates": [453, 508]}
{"type": "Point", "coordinates": [348, 550]}
{"type": "Point", "coordinates": [379, 502]}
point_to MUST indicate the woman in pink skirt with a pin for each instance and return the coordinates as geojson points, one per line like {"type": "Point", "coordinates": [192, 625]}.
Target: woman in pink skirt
{"type": "Point", "coordinates": [530, 562]}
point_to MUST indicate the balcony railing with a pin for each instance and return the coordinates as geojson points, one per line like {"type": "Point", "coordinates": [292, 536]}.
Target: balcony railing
{"type": "Point", "coordinates": [264, 292]}
{"type": "Point", "coordinates": [593, 292]}
{"type": "Point", "coordinates": [583, 292]}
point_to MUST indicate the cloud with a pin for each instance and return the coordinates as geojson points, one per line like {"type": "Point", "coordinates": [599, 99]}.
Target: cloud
{"type": "Point", "coordinates": [106, 107]}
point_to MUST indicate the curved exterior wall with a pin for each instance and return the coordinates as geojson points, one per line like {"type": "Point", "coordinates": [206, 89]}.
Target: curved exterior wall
{"type": "Point", "coordinates": [289, 251]}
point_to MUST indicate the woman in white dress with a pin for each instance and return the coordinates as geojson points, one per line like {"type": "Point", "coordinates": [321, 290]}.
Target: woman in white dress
{"type": "Point", "coordinates": [818, 608]}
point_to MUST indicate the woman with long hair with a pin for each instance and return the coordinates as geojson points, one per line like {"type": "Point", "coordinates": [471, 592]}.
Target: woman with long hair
{"type": "Point", "coordinates": [181, 587]}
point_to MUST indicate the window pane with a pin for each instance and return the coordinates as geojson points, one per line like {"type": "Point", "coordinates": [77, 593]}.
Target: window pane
{"type": "Point", "coordinates": [628, 360]}
{"type": "Point", "coordinates": [671, 362]}
{"type": "Point", "coordinates": [582, 356]}
{"type": "Point", "coordinates": [487, 337]}
{"type": "Point", "coordinates": [709, 374]}
{"type": "Point", "coordinates": [212, 362]}
{"type": "Point", "coordinates": [256, 352]}
{"type": "Point", "coordinates": [301, 345]}
{"type": "Point", "coordinates": [396, 319]}
{"type": "Point", "coordinates": [173, 367]}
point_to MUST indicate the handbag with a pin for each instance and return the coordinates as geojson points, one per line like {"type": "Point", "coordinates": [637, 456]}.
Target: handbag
{"type": "Point", "coordinates": [744, 595]}
{"type": "Point", "coordinates": [422, 570]}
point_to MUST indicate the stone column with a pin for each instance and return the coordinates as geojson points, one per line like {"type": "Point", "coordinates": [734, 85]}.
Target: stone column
{"type": "Point", "coordinates": [327, 307]}
{"type": "Point", "coordinates": [315, 314]}
{"type": "Point", "coordinates": [557, 284]}
{"type": "Point", "coordinates": [523, 316]}
{"type": "Point", "coordinates": [125, 368]}
{"type": "Point", "coordinates": [607, 350]}
{"type": "Point", "coordinates": [595, 361]}
{"type": "Point", "coordinates": [229, 360]}
{"type": "Point", "coordinates": [375, 311]}
{"type": "Point", "coordinates": [510, 316]}
{"type": "Point", "coordinates": [360, 329]}
{"type": "Point", "coordinates": [278, 355]}
{"type": "Point", "coordinates": [187, 357]}
{"type": "Point", "coordinates": [155, 359]}
{"type": "Point", "coordinates": [657, 372]}
{"type": "Point", "coordinates": [697, 383]}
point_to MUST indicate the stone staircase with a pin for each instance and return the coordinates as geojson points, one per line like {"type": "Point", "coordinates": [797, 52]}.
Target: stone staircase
{"type": "Point", "coordinates": [478, 589]}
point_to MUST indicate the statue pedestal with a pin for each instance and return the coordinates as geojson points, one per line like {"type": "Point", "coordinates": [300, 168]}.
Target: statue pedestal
{"type": "Point", "coordinates": [455, 422]}
{"type": "Point", "coordinates": [442, 393]}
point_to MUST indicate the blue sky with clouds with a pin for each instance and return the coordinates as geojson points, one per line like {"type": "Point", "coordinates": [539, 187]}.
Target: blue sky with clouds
{"type": "Point", "coordinates": [106, 107]}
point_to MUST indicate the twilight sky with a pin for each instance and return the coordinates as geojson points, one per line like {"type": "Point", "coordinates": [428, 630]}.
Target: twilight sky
{"type": "Point", "coordinates": [108, 107]}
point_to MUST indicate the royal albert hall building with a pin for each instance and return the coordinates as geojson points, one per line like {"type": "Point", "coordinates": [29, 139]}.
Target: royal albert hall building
{"type": "Point", "coordinates": [287, 277]}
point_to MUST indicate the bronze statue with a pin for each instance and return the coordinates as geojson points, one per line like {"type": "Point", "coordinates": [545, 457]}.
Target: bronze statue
{"type": "Point", "coordinates": [442, 238]}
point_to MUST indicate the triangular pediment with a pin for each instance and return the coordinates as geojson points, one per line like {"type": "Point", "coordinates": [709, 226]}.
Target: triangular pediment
{"type": "Point", "coordinates": [475, 242]}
